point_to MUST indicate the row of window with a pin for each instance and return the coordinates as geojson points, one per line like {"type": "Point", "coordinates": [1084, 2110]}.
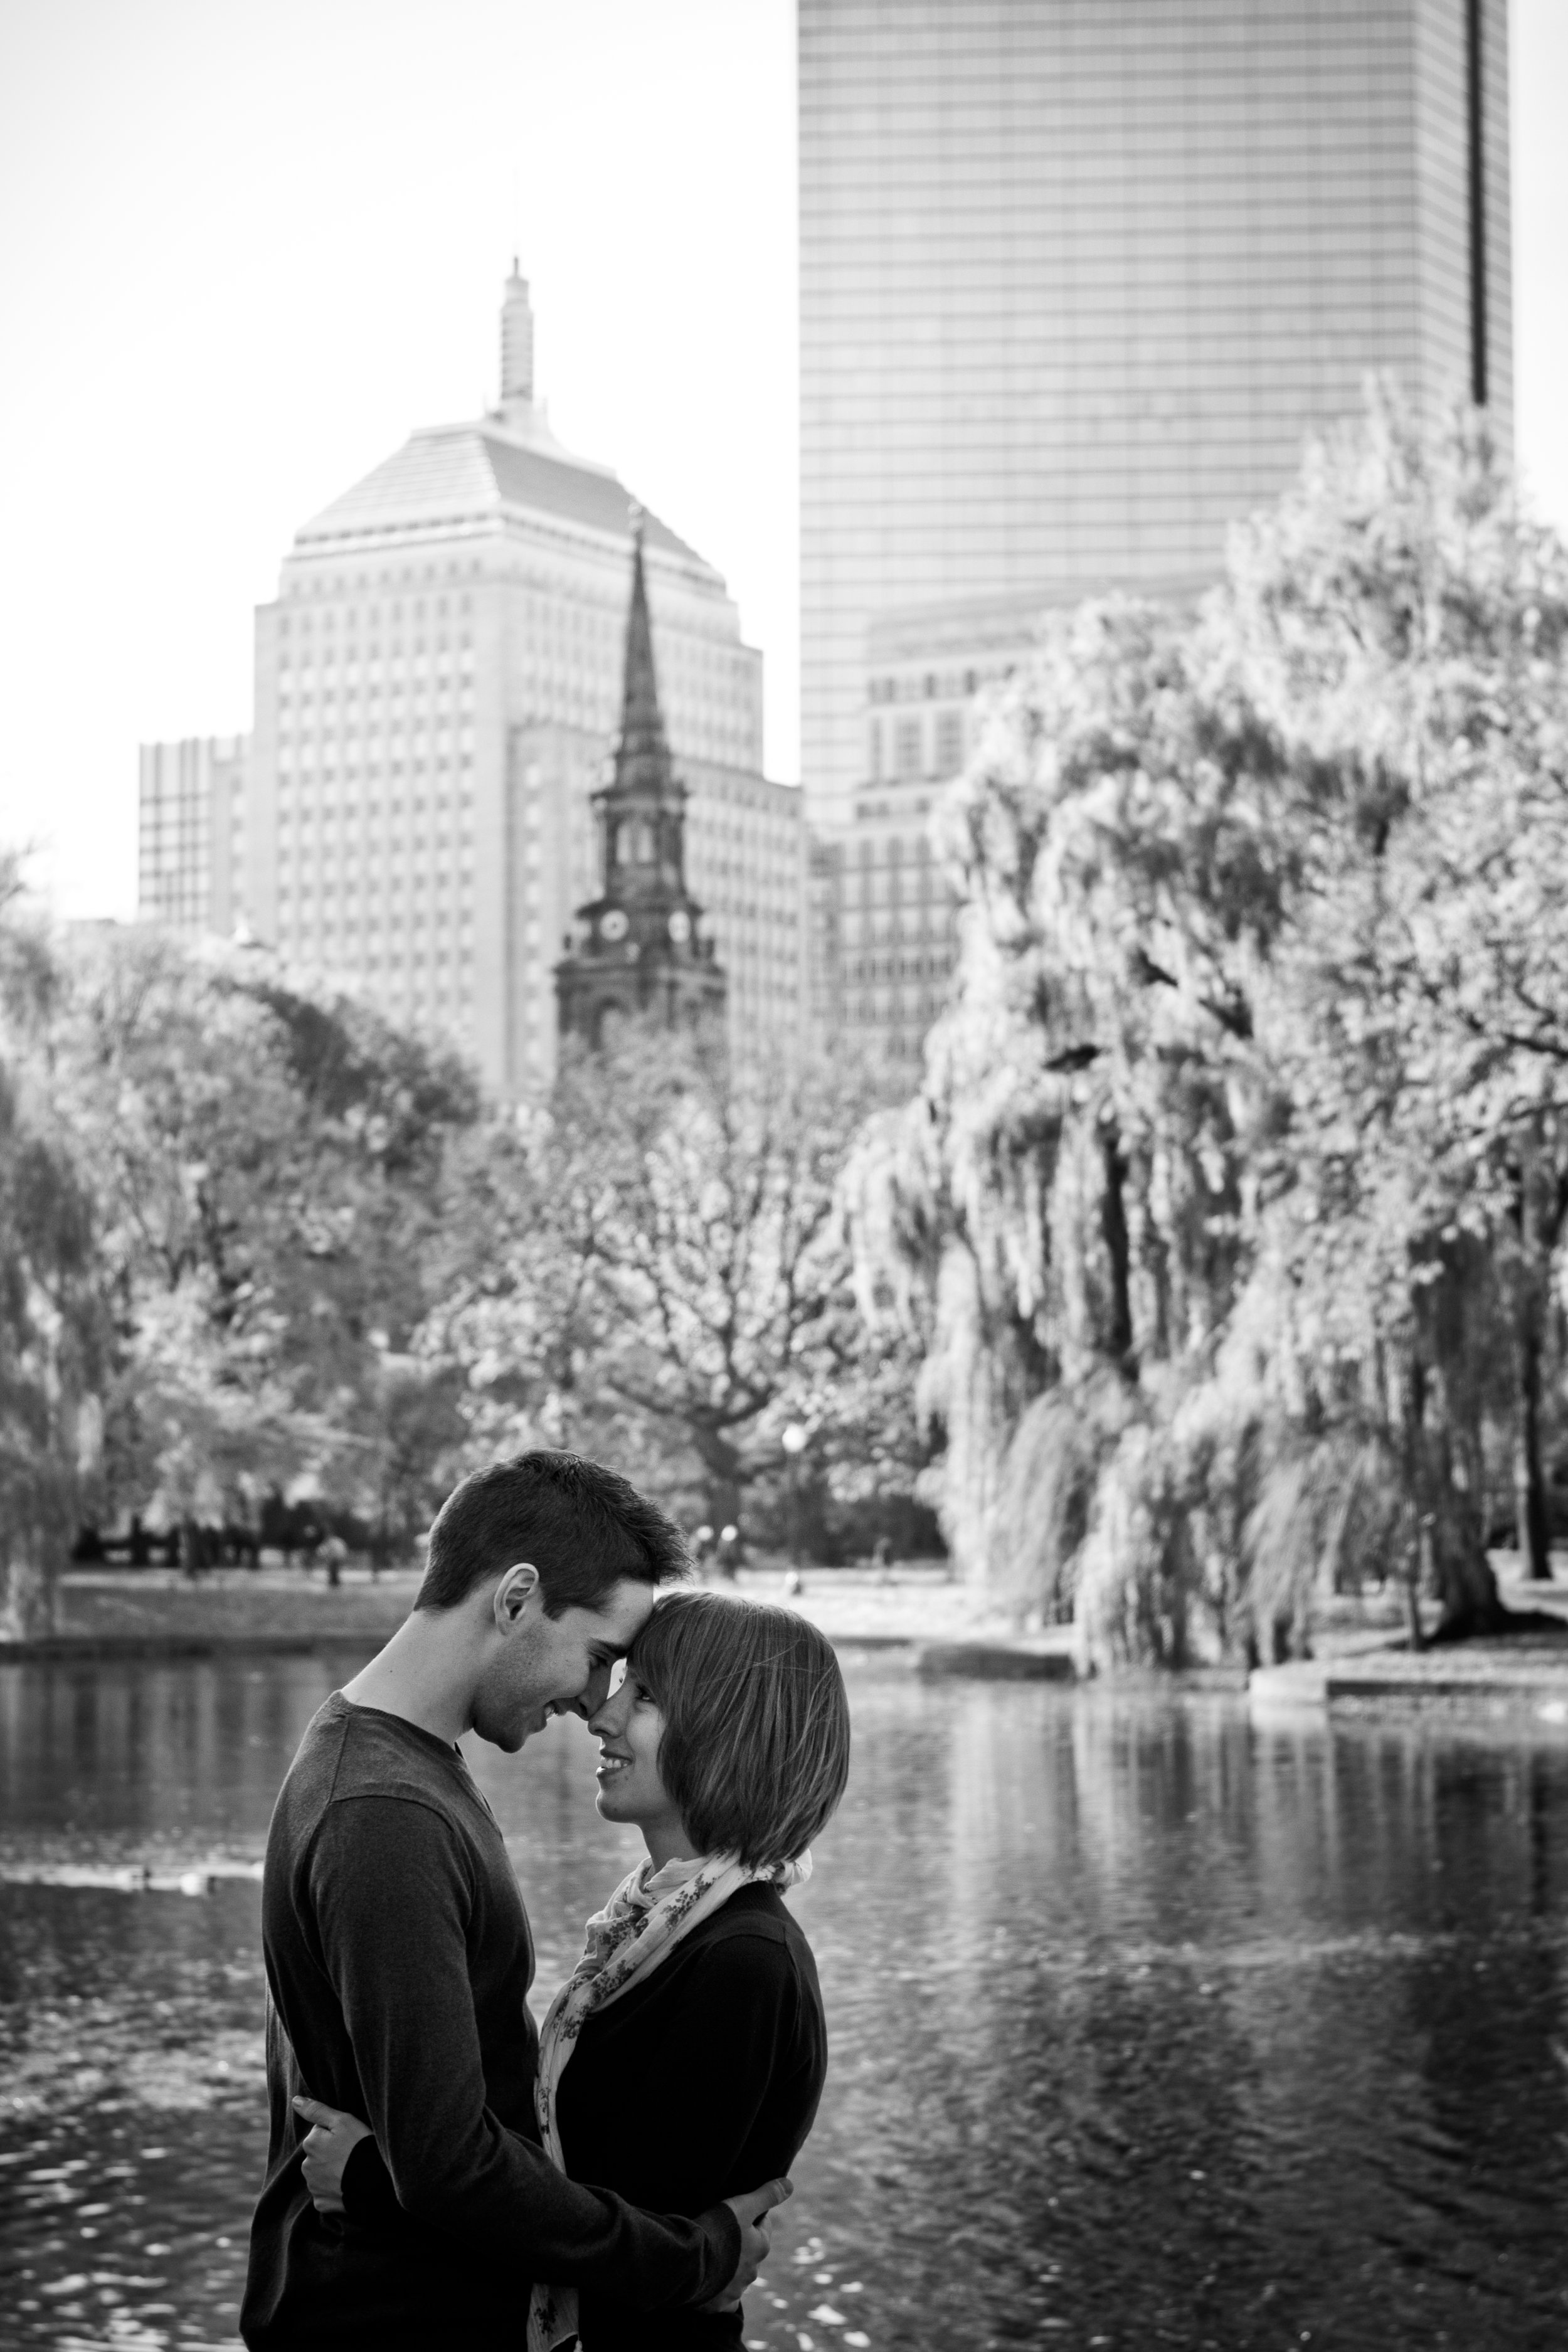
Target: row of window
{"type": "Point", "coordinates": [421, 889]}
{"type": "Point", "coordinates": [414, 736]}
{"type": "Point", "coordinates": [324, 887]}
{"type": "Point", "coordinates": [868, 1011]}
{"type": "Point", "coordinates": [931, 686]}
{"type": "Point", "coordinates": [421, 695]}
{"type": "Point", "coordinates": [869, 850]}
{"type": "Point", "coordinates": [907, 749]}
{"type": "Point", "coordinates": [328, 804]}
{"type": "Point", "coordinates": [303, 623]}
{"type": "Point", "coordinates": [347, 826]}
{"type": "Point", "coordinates": [411, 661]}
{"type": "Point", "coordinates": [294, 930]}
{"type": "Point", "coordinates": [916, 967]}
{"type": "Point", "coordinates": [922, 888]}
{"type": "Point", "coordinates": [304, 764]}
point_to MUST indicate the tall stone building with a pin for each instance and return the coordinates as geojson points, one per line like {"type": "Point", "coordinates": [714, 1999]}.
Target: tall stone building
{"type": "Point", "coordinates": [640, 949]}
{"type": "Point", "coordinates": [191, 835]}
{"type": "Point", "coordinates": [437, 688]}
{"type": "Point", "coordinates": [1076, 276]}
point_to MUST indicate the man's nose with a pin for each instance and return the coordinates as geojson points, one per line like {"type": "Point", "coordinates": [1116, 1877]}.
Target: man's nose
{"type": "Point", "coordinates": [595, 1698]}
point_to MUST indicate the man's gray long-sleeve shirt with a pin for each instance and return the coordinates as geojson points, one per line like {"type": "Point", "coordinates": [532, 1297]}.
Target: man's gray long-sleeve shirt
{"type": "Point", "coordinates": [398, 1959]}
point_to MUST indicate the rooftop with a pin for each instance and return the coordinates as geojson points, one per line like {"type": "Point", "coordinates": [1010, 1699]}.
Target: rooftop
{"type": "Point", "coordinates": [457, 476]}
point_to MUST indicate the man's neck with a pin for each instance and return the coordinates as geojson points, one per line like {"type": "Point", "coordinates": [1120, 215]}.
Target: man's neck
{"type": "Point", "coordinates": [420, 1675]}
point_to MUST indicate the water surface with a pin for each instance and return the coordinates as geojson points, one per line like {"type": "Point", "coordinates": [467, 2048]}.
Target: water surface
{"type": "Point", "coordinates": [1151, 2025]}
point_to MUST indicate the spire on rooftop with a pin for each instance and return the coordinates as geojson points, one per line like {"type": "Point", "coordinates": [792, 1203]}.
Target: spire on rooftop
{"type": "Point", "coordinates": [516, 345]}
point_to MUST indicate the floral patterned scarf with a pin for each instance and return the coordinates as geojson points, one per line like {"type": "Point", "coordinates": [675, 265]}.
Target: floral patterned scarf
{"type": "Point", "coordinates": [640, 1924]}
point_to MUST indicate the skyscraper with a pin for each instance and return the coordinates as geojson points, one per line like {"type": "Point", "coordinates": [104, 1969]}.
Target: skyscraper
{"type": "Point", "coordinates": [1077, 276]}
{"type": "Point", "coordinates": [436, 690]}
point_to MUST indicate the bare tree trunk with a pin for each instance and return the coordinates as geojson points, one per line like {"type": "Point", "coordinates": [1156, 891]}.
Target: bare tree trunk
{"type": "Point", "coordinates": [722, 1462]}
{"type": "Point", "coordinates": [1531, 1521]}
{"type": "Point", "coordinates": [1114, 1225]}
{"type": "Point", "coordinates": [1466, 1587]}
{"type": "Point", "coordinates": [1417, 1565]}
{"type": "Point", "coordinates": [1451, 1533]}
{"type": "Point", "coordinates": [723, 1504]}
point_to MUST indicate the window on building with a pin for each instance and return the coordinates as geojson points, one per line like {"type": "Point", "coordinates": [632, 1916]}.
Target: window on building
{"type": "Point", "coordinates": [948, 743]}
{"type": "Point", "coordinates": [907, 749]}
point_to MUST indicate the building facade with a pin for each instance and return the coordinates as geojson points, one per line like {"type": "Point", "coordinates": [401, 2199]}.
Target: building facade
{"type": "Point", "coordinates": [894, 915]}
{"type": "Point", "coordinates": [1076, 276]}
{"type": "Point", "coordinates": [436, 690]}
{"type": "Point", "coordinates": [641, 951]}
{"type": "Point", "coordinates": [923, 674]}
{"type": "Point", "coordinates": [884, 923]}
{"type": "Point", "coordinates": [191, 835]}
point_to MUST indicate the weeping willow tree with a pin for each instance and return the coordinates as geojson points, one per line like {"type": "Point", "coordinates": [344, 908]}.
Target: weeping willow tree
{"type": "Point", "coordinates": [1230, 1213]}
{"type": "Point", "coordinates": [53, 1329]}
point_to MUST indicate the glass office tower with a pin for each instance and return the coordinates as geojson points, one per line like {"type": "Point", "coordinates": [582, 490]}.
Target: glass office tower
{"type": "Point", "coordinates": [1077, 276]}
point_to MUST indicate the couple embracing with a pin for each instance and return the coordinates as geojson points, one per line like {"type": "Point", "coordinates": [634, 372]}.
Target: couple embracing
{"type": "Point", "coordinates": [440, 2173]}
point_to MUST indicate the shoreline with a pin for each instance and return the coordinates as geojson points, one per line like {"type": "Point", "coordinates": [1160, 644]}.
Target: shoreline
{"type": "Point", "coordinates": [132, 1616]}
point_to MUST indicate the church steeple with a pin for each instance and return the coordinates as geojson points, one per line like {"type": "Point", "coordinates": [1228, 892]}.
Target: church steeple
{"type": "Point", "coordinates": [640, 949]}
{"type": "Point", "coordinates": [642, 754]}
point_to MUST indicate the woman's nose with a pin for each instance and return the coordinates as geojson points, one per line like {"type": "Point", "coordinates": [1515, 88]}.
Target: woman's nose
{"type": "Point", "coordinates": [604, 1718]}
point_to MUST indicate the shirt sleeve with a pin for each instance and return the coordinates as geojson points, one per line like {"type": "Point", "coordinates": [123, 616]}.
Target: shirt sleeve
{"type": "Point", "coordinates": [390, 1890]}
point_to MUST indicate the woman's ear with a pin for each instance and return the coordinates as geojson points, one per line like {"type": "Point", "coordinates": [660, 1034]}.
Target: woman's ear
{"type": "Point", "coordinates": [513, 1593]}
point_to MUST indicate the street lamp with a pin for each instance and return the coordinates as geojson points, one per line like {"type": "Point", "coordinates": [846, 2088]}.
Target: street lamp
{"type": "Point", "coordinates": [793, 1439]}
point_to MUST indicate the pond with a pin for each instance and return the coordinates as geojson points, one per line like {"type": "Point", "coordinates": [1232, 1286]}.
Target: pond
{"type": "Point", "coordinates": [1152, 2025]}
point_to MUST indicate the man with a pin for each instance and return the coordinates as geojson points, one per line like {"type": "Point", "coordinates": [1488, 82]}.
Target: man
{"type": "Point", "coordinates": [399, 1953]}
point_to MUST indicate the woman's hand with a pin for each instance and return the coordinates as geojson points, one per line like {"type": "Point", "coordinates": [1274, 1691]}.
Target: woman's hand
{"type": "Point", "coordinates": [327, 2147]}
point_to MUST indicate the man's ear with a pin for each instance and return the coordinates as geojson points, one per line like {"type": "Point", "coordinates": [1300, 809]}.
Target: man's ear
{"type": "Point", "coordinates": [513, 1593]}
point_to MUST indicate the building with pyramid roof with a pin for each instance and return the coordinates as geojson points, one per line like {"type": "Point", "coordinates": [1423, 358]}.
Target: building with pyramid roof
{"type": "Point", "coordinates": [437, 687]}
{"type": "Point", "coordinates": [641, 949]}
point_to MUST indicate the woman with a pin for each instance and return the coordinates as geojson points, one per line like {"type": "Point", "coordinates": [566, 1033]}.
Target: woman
{"type": "Point", "coordinates": [685, 2058]}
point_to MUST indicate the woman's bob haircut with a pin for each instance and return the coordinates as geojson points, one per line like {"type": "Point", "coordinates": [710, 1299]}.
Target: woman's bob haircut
{"type": "Point", "coordinates": [755, 1750]}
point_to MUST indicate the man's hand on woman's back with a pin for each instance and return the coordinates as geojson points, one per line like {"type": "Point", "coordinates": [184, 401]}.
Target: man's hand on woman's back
{"type": "Point", "coordinates": [327, 2147]}
{"type": "Point", "coordinates": [752, 2212]}
{"type": "Point", "coordinates": [334, 2135]}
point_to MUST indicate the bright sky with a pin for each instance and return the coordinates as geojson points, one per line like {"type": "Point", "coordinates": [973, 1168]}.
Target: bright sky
{"type": "Point", "coordinates": [246, 245]}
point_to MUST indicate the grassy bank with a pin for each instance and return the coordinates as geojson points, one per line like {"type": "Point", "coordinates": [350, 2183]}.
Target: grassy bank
{"type": "Point", "coordinates": [910, 1603]}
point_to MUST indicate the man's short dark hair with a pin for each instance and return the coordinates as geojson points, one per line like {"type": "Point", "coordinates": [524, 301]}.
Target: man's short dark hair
{"type": "Point", "coordinates": [755, 1750]}
{"type": "Point", "coordinates": [583, 1528]}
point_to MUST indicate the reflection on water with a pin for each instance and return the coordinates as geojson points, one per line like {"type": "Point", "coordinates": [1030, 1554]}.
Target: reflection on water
{"type": "Point", "coordinates": [1151, 2026]}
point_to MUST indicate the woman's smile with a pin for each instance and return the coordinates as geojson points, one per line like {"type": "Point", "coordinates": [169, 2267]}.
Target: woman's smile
{"type": "Point", "coordinates": [629, 1729]}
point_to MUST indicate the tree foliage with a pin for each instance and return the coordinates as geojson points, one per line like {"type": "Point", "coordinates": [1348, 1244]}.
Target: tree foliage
{"type": "Point", "coordinates": [220, 1196]}
{"type": "Point", "coordinates": [259, 1248]}
{"type": "Point", "coordinates": [656, 1268]}
{"type": "Point", "coordinates": [1229, 1216]}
